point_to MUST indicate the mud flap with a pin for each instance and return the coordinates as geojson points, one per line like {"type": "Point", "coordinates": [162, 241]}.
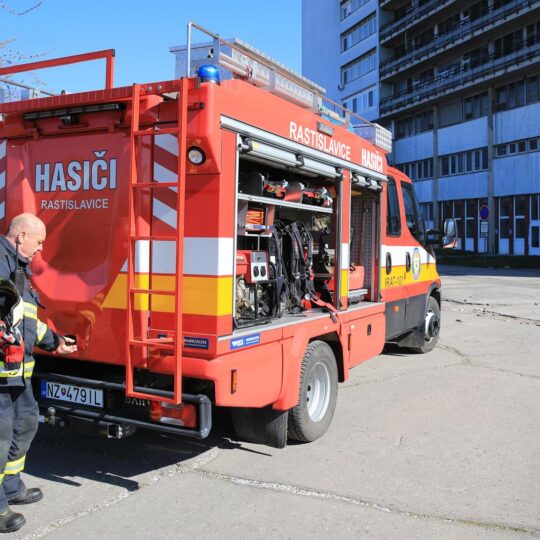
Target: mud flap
{"type": "Point", "coordinates": [263, 426]}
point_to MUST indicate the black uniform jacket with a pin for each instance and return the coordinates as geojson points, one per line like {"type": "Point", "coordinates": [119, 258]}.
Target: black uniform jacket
{"type": "Point", "coordinates": [34, 331]}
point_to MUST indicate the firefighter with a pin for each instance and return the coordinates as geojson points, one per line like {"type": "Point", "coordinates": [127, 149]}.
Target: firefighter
{"type": "Point", "coordinates": [18, 408]}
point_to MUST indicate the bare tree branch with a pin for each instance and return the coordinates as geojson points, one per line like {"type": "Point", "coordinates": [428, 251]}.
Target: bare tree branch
{"type": "Point", "coordinates": [12, 11]}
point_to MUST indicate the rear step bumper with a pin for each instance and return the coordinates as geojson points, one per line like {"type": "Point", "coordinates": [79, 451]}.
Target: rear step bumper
{"type": "Point", "coordinates": [90, 420]}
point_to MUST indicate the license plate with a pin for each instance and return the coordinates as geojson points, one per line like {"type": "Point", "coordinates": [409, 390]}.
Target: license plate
{"type": "Point", "coordinates": [71, 393]}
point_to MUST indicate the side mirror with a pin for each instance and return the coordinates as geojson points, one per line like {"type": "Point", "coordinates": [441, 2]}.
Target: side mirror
{"type": "Point", "coordinates": [450, 234]}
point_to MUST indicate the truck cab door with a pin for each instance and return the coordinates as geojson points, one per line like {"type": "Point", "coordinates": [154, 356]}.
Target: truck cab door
{"type": "Point", "coordinates": [420, 269]}
{"type": "Point", "coordinates": [392, 261]}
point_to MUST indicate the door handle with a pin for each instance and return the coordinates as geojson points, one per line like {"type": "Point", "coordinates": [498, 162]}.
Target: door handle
{"type": "Point", "coordinates": [388, 263]}
{"type": "Point", "coordinates": [408, 262]}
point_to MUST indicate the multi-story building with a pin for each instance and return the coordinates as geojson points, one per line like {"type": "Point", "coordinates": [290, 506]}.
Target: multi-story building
{"type": "Point", "coordinates": [458, 83]}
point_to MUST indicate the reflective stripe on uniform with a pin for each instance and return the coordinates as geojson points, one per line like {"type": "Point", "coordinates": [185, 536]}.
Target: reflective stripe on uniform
{"type": "Point", "coordinates": [16, 466]}
{"type": "Point", "coordinates": [30, 310]}
{"type": "Point", "coordinates": [29, 368]}
{"type": "Point", "coordinates": [10, 372]}
{"type": "Point", "coordinates": [2, 477]}
{"type": "Point", "coordinates": [41, 330]}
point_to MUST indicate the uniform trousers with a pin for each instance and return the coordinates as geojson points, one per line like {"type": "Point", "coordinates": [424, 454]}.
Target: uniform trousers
{"type": "Point", "coordinates": [19, 417]}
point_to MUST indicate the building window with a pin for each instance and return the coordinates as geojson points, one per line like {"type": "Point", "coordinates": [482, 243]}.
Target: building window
{"type": "Point", "coordinates": [517, 147]}
{"type": "Point", "coordinates": [427, 211]}
{"type": "Point", "coordinates": [350, 6]}
{"type": "Point", "coordinates": [535, 207]}
{"type": "Point", "coordinates": [532, 89]}
{"type": "Point", "coordinates": [412, 125]}
{"type": "Point", "coordinates": [359, 67]}
{"type": "Point", "coordinates": [475, 106]}
{"type": "Point", "coordinates": [470, 221]}
{"type": "Point", "coordinates": [358, 32]}
{"type": "Point", "coordinates": [501, 150]}
{"type": "Point", "coordinates": [362, 101]}
{"type": "Point", "coordinates": [464, 162]}
{"type": "Point", "coordinates": [517, 94]}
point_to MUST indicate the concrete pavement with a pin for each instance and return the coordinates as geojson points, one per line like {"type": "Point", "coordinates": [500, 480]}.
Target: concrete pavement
{"type": "Point", "coordinates": [443, 445]}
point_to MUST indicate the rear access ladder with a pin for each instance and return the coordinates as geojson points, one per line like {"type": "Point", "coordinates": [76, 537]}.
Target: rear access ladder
{"type": "Point", "coordinates": [140, 346]}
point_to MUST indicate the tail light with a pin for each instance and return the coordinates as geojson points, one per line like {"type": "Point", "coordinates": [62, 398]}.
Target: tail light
{"type": "Point", "coordinates": [184, 414]}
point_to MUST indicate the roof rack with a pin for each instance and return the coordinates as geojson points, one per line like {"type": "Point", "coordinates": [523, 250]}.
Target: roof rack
{"type": "Point", "coordinates": [248, 63]}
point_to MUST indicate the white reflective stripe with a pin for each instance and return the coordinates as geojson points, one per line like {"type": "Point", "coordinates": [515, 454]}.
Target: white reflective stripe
{"type": "Point", "coordinates": [167, 142]}
{"type": "Point", "coordinates": [202, 256]}
{"type": "Point", "coordinates": [2, 210]}
{"type": "Point", "coordinates": [161, 174]}
{"type": "Point", "coordinates": [399, 254]}
{"type": "Point", "coordinates": [208, 256]}
{"type": "Point", "coordinates": [345, 258]}
{"type": "Point", "coordinates": [142, 256]}
{"type": "Point", "coordinates": [164, 213]}
{"type": "Point", "coordinates": [3, 149]}
{"type": "Point", "coordinates": [163, 257]}
{"type": "Point", "coordinates": [2, 180]}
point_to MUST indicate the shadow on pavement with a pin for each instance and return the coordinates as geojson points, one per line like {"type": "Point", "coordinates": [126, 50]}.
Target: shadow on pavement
{"type": "Point", "coordinates": [60, 455]}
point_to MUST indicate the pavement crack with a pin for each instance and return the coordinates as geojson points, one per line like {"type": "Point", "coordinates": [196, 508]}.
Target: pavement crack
{"type": "Point", "coordinates": [291, 489]}
{"type": "Point", "coordinates": [454, 350]}
{"type": "Point", "coordinates": [509, 371]}
{"type": "Point", "coordinates": [479, 310]}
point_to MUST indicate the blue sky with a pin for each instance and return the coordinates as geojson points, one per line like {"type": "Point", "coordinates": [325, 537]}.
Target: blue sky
{"type": "Point", "coordinates": [141, 32]}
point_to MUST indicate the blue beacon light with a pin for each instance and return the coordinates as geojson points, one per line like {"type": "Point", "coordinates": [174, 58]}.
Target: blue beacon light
{"type": "Point", "coordinates": [208, 73]}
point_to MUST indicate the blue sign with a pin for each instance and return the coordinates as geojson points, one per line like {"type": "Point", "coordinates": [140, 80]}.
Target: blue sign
{"type": "Point", "coordinates": [484, 212]}
{"type": "Point", "coordinates": [196, 342]}
{"type": "Point", "coordinates": [245, 341]}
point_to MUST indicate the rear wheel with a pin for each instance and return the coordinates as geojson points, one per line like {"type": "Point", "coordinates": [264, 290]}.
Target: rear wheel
{"type": "Point", "coordinates": [311, 418]}
{"type": "Point", "coordinates": [431, 328]}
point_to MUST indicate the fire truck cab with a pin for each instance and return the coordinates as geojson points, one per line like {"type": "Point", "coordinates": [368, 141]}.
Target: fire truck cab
{"type": "Point", "coordinates": [233, 243]}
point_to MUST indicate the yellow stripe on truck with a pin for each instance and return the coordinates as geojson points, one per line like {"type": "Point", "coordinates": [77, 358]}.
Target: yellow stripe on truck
{"type": "Point", "coordinates": [344, 283]}
{"type": "Point", "coordinates": [203, 295]}
{"type": "Point", "coordinates": [399, 276]}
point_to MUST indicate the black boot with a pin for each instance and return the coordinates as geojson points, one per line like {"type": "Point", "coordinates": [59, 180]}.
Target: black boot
{"type": "Point", "coordinates": [11, 521]}
{"type": "Point", "coordinates": [29, 496]}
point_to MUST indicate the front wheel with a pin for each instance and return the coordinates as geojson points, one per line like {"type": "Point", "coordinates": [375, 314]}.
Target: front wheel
{"type": "Point", "coordinates": [431, 328]}
{"type": "Point", "coordinates": [311, 418]}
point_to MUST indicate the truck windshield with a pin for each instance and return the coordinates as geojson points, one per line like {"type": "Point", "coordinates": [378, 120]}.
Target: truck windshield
{"type": "Point", "coordinates": [413, 214]}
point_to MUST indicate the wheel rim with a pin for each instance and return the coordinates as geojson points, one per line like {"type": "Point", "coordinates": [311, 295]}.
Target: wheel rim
{"type": "Point", "coordinates": [318, 392]}
{"type": "Point", "coordinates": [432, 325]}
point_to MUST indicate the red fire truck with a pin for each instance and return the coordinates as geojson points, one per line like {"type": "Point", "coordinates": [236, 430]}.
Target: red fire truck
{"type": "Point", "coordinates": [236, 243]}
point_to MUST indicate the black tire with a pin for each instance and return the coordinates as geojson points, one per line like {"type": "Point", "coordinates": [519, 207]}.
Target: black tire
{"type": "Point", "coordinates": [309, 420]}
{"type": "Point", "coordinates": [262, 426]}
{"type": "Point", "coordinates": [431, 327]}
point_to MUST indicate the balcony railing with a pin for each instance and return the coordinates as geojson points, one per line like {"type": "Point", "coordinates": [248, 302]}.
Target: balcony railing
{"type": "Point", "coordinates": [391, 28]}
{"type": "Point", "coordinates": [454, 78]}
{"type": "Point", "coordinates": [463, 30]}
